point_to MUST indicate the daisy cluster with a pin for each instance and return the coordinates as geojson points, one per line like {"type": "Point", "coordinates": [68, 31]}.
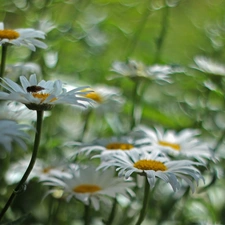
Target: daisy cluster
{"type": "Point", "coordinates": [11, 131]}
{"type": "Point", "coordinates": [153, 153]}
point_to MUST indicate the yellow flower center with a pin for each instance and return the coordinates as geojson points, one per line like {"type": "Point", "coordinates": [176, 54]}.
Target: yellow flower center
{"type": "Point", "coordinates": [46, 170]}
{"type": "Point", "coordinates": [42, 96]}
{"type": "Point", "coordinates": [171, 145]}
{"type": "Point", "coordinates": [9, 34]}
{"type": "Point", "coordinates": [145, 164]}
{"type": "Point", "coordinates": [120, 146]}
{"type": "Point", "coordinates": [87, 188]}
{"type": "Point", "coordinates": [94, 96]}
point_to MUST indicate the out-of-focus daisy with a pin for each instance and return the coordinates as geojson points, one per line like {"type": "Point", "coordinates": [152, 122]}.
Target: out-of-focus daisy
{"type": "Point", "coordinates": [41, 95]}
{"type": "Point", "coordinates": [184, 143]}
{"type": "Point", "coordinates": [106, 98]}
{"type": "Point", "coordinates": [15, 70]}
{"type": "Point", "coordinates": [22, 37]}
{"type": "Point", "coordinates": [107, 146]}
{"type": "Point", "coordinates": [154, 165]}
{"type": "Point", "coordinates": [209, 66]}
{"type": "Point", "coordinates": [19, 112]}
{"type": "Point", "coordinates": [11, 132]}
{"type": "Point", "coordinates": [134, 69]}
{"type": "Point", "coordinates": [42, 170]}
{"type": "Point", "coordinates": [90, 186]}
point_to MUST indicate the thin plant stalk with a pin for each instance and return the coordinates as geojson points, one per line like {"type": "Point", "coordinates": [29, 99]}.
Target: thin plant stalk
{"type": "Point", "coordinates": [53, 210]}
{"type": "Point", "coordinates": [112, 214]}
{"type": "Point", "coordinates": [134, 104]}
{"type": "Point", "coordinates": [145, 202]}
{"type": "Point", "coordinates": [137, 33]}
{"type": "Point", "coordinates": [3, 60]}
{"type": "Point", "coordinates": [87, 218]}
{"type": "Point", "coordinates": [86, 119]}
{"type": "Point", "coordinates": [160, 40]}
{"type": "Point", "coordinates": [21, 184]}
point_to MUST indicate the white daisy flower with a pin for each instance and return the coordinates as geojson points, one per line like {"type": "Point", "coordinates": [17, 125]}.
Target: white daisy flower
{"type": "Point", "coordinates": [15, 70]}
{"type": "Point", "coordinates": [41, 95]}
{"type": "Point", "coordinates": [106, 146]}
{"type": "Point", "coordinates": [154, 165]}
{"type": "Point", "coordinates": [19, 112]}
{"type": "Point", "coordinates": [41, 170]}
{"type": "Point", "coordinates": [11, 132]}
{"type": "Point", "coordinates": [209, 66]}
{"type": "Point", "coordinates": [134, 69]}
{"type": "Point", "coordinates": [184, 143]}
{"type": "Point", "coordinates": [106, 98]}
{"type": "Point", "coordinates": [22, 37]}
{"type": "Point", "coordinates": [91, 186]}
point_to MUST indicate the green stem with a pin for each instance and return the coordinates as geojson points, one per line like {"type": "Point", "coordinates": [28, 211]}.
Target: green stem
{"type": "Point", "coordinates": [86, 119]}
{"type": "Point", "coordinates": [112, 214]}
{"type": "Point", "coordinates": [53, 210]}
{"type": "Point", "coordinates": [137, 33]}
{"type": "Point", "coordinates": [3, 60]}
{"type": "Point", "coordinates": [87, 218]}
{"type": "Point", "coordinates": [160, 40]}
{"type": "Point", "coordinates": [20, 186]}
{"type": "Point", "coordinates": [134, 104]}
{"type": "Point", "coordinates": [145, 203]}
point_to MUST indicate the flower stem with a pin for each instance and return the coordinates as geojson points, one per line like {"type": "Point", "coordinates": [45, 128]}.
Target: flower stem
{"type": "Point", "coordinates": [145, 203]}
{"type": "Point", "coordinates": [112, 214]}
{"type": "Point", "coordinates": [87, 218]}
{"type": "Point", "coordinates": [134, 104]}
{"type": "Point", "coordinates": [86, 119]}
{"type": "Point", "coordinates": [21, 184]}
{"type": "Point", "coordinates": [138, 31]}
{"type": "Point", "coordinates": [3, 60]}
{"type": "Point", "coordinates": [160, 40]}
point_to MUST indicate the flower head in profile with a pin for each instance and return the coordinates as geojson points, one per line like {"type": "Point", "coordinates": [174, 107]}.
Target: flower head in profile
{"type": "Point", "coordinates": [184, 143]}
{"type": "Point", "coordinates": [134, 69]}
{"type": "Point", "coordinates": [42, 170]}
{"type": "Point", "coordinates": [13, 71]}
{"type": "Point", "coordinates": [12, 132]}
{"type": "Point", "coordinates": [22, 37]}
{"type": "Point", "coordinates": [209, 66]}
{"type": "Point", "coordinates": [154, 165]}
{"type": "Point", "coordinates": [90, 186]}
{"type": "Point", "coordinates": [18, 112]}
{"type": "Point", "coordinates": [41, 95]}
{"type": "Point", "coordinates": [106, 98]}
{"type": "Point", "coordinates": [108, 146]}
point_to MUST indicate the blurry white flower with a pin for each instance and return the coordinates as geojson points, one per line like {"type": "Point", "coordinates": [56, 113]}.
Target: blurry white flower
{"type": "Point", "coordinates": [207, 65]}
{"type": "Point", "coordinates": [184, 143]}
{"type": "Point", "coordinates": [19, 112]}
{"type": "Point", "coordinates": [22, 37]}
{"type": "Point", "coordinates": [105, 147]}
{"type": "Point", "coordinates": [42, 170]}
{"type": "Point", "coordinates": [40, 96]}
{"type": "Point", "coordinates": [15, 70]}
{"type": "Point", "coordinates": [106, 98]}
{"type": "Point", "coordinates": [154, 165]}
{"type": "Point", "coordinates": [90, 186]}
{"type": "Point", "coordinates": [51, 59]}
{"type": "Point", "coordinates": [134, 69]}
{"type": "Point", "coordinates": [11, 132]}
{"type": "Point", "coordinates": [46, 25]}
